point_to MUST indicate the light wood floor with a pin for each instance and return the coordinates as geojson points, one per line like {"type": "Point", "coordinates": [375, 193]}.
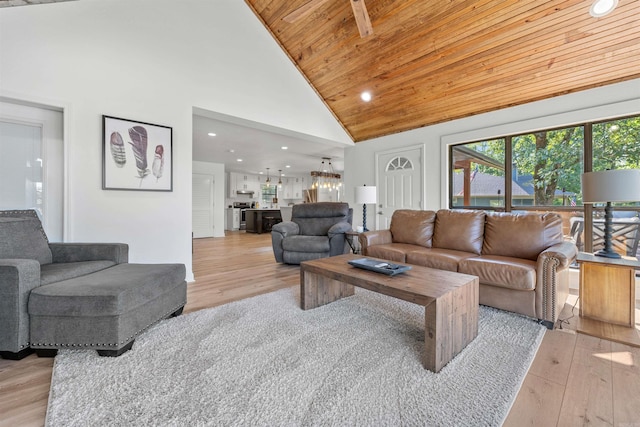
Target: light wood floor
{"type": "Point", "coordinates": [574, 380]}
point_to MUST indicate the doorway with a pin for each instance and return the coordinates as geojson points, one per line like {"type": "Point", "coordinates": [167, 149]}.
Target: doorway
{"type": "Point", "coordinates": [32, 163]}
{"type": "Point", "coordinates": [203, 187]}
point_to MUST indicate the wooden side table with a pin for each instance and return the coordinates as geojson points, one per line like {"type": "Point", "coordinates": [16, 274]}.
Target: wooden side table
{"type": "Point", "coordinates": [608, 298]}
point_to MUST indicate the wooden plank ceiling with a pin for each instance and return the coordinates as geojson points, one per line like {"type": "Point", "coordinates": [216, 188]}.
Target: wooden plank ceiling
{"type": "Point", "coordinates": [433, 61]}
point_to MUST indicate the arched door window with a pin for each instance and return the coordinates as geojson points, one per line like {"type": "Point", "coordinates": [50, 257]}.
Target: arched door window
{"type": "Point", "coordinates": [399, 163]}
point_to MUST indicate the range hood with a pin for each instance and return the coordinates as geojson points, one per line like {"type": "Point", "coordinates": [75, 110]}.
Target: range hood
{"type": "Point", "coordinates": [249, 192]}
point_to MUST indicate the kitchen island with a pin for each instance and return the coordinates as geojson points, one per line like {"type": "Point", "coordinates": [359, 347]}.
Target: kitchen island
{"type": "Point", "coordinates": [261, 220]}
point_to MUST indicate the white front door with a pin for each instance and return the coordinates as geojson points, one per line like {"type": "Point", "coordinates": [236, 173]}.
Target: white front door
{"type": "Point", "coordinates": [399, 182]}
{"type": "Point", "coordinates": [202, 209]}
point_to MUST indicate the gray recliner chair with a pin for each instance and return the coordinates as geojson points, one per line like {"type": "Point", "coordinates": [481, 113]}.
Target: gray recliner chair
{"type": "Point", "coordinates": [76, 295]}
{"type": "Point", "coordinates": [316, 230]}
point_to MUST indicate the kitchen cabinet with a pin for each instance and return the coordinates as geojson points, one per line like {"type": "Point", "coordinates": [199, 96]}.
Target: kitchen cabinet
{"type": "Point", "coordinates": [261, 220]}
{"type": "Point", "coordinates": [292, 188]}
{"type": "Point", "coordinates": [243, 182]}
{"type": "Point", "coordinates": [233, 219]}
{"type": "Point", "coordinates": [298, 187]}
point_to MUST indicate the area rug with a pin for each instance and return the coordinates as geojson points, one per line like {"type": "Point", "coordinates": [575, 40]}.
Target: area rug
{"type": "Point", "coordinates": [265, 362]}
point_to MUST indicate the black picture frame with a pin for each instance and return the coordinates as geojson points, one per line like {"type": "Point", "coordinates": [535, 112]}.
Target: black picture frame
{"type": "Point", "coordinates": [136, 156]}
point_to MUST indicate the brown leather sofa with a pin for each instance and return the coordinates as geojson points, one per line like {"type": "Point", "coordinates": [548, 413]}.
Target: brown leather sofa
{"type": "Point", "coordinates": [522, 260]}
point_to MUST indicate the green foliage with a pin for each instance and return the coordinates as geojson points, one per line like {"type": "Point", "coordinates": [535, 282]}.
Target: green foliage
{"type": "Point", "coordinates": [554, 159]}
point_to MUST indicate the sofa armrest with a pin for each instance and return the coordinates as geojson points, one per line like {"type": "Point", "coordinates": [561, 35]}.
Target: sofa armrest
{"type": "Point", "coordinates": [339, 228]}
{"type": "Point", "coordinates": [338, 244]}
{"type": "Point", "coordinates": [552, 288]}
{"type": "Point", "coordinates": [286, 228]}
{"type": "Point", "coordinates": [565, 253]}
{"type": "Point", "coordinates": [17, 278]}
{"type": "Point", "coordinates": [278, 232]}
{"type": "Point", "coordinates": [75, 252]}
{"type": "Point", "coordinates": [372, 238]}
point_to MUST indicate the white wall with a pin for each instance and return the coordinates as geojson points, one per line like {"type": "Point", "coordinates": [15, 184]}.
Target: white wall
{"type": "Point", "coordinates": [151, 61]}
{"type": "Point", "coordinates": [600, 103]}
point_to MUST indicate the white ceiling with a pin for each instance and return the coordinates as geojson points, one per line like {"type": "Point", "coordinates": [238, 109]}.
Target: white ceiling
{"type": "Point", "coordinates": [260, 147]}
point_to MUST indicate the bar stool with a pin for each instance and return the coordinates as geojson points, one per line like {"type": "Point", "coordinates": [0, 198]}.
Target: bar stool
{"type": "Point", "coordinates": [268, 222]}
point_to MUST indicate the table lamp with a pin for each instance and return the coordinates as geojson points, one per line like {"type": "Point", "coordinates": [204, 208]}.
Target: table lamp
{"type": "Point", "coordinates": [617, 185]}
{"type": "Point", "coordinates": [365, 195]}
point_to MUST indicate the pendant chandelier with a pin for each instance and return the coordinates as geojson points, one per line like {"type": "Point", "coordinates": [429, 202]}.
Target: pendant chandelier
{"type": "Point", "coordinates": [268, 180]}
{"type": "Point", "coordinates": [326, 177]}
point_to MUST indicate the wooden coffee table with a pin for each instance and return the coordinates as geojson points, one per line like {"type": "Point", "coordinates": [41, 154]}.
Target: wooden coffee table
{"type": "Point", "coordinates": [450, 299]}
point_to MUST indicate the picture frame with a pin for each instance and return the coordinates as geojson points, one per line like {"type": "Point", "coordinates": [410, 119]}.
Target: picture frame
{"type": "Point", "coordinates": [136, 156]}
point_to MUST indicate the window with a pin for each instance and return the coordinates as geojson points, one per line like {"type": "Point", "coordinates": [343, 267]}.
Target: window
{"type": "Point", "coordinates": [399, 163]}
{"type": "Point", "coordinates": [21, 173]}
{"type": "Point", "coordinates": [269, 194]}
{"type": "Point", "coordinates": [477, 178]}
{"type": "Point", "coordinates": [544, 167]}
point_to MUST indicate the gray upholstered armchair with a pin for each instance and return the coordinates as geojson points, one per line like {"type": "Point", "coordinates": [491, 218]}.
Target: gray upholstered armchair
{"type": "Point", "coordinates": [316, 230]}
{"type": "Point", "coordinates": [76, 295]}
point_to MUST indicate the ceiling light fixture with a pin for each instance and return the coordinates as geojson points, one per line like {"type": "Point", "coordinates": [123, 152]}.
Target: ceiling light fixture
{"type": "Point", "coordinates": [326, 177]}
{"type": "Point", "coordinates": [239, 160]}
{"type": "Point", "coordinates": [211, 134]}
{"type": "Point", "coordinates": [365, 96]}
{"type": "Point", "coordinates": [285, 148]}
{"type": "Point", "coordinates": [268, 180]}
{"type": "Point", "coordinates": [600, 8]}
{"type": "Point", "coordinates": [280, 179]}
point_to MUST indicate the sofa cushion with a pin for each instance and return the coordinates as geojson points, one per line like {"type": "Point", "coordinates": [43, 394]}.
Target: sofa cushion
{"type": "Point", "coordinates": [113, 291]}
{"type": "Point", "coordinates": [306, 244]}
{"type": "Point", "coordinates": [442, 259]}
{"type": "Point", "coordinates": [521, 235]}
{"type": "Point", "coordinates": [460, 230]}
{"type": "Point", "coordinates": [413, 226]}
{"type": "Point", "coordinates": [56, 272]}
{"type": "Point", "coordinates": [396, 252]}
{"type": "Point", "coordinates": [23, 238]}
{"type": "Point", "coordinates": [506, 272]}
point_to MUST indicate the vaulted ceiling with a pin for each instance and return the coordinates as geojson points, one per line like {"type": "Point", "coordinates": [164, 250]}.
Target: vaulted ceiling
{"type": "Point", "coordinates": [434, 61]}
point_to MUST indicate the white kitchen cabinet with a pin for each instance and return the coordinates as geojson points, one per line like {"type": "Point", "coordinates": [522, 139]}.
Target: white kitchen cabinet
{"type": "Point", "coordinates": [243, 182]}
{"type": "Point", "coordinates": [298, 187]}
{"type": "Point", "coordinates": [287, 189]}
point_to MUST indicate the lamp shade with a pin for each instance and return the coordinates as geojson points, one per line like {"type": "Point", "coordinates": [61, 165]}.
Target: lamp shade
{"type": "Point", "coordinates": [617, 185]}
{"type": "Point", "coordinates": [365, 194]}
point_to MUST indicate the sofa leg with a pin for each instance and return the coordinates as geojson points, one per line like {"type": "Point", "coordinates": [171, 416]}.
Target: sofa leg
{"type": "Point", "coordinates": [46, 352]}
{"type": "Point", "coordinates": [178, 312]}
{"type": "Point", "coordinates": [546, 323]}
{"type": "Point", "coordinates": [116, 353]}
{"type": "Point", "coordinates": [10, 355]}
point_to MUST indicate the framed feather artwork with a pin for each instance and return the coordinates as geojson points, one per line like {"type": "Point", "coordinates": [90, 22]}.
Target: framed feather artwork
{"type": "Point", "coordinates": [136, 155]}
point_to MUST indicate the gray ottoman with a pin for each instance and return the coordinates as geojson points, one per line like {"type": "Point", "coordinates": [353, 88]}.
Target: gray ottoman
{"type": "Point", "coordinates": [105, 310]}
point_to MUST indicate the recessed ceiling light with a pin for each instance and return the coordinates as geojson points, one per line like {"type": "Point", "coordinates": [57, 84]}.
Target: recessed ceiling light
{"type": "Point", "coordinates": [601, 8]}
{"type": "Point", "coordinates": [239, 160]}
{"type": "Point", "coordinates": [284, 148]}
{"type": "Point", "coordinates": [211, 134]}
{"type": "Point", "coordinates": [365, 96]}
{"type": "Point", "coordinates": [231, 150]}
{"type": "Point", "coordinates": [287, 166]}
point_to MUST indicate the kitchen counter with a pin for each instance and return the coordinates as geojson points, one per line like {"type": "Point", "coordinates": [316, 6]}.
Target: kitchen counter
{"type": "Point", "coordinates": [261, 220]}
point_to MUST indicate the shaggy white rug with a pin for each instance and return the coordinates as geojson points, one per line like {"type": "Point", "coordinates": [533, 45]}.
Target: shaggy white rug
{"type": "Point", "coordinates": [265, 362]}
